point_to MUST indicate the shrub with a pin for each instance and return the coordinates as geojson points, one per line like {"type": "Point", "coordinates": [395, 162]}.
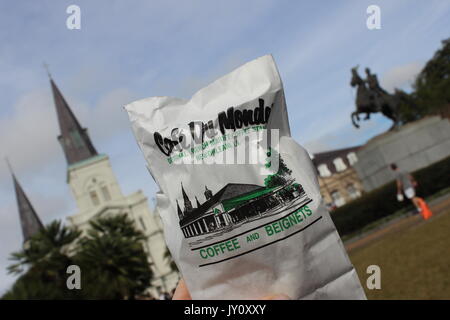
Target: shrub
{"type": "Point", "coordinates": [382, 202]}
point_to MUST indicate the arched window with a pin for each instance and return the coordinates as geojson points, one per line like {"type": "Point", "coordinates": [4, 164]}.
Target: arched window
{"type": "Point", "coordinates": [339, 164]}
{"type": "Point", "coordinates": [97, 190]}
{"type": "Point", "coordinates": [323, 170]}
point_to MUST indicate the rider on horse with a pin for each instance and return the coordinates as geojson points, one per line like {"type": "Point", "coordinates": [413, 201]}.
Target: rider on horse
{"type": "Point", "coordinates": [371, 98]}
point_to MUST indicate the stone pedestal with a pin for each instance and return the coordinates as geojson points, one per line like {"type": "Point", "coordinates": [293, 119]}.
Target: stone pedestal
{"type": "Point", "coordinates": [413, 146]}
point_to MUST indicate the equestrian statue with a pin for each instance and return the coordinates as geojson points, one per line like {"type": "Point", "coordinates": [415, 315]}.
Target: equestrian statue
{"type": "Point", "coordinates": [371, 98]}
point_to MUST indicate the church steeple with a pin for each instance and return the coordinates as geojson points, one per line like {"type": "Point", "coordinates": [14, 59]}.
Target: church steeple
{"type": "Point", "coordinates": [29, 220]}
{"type": "Point", "coordinates": [180, 213]}
{"type": "Point", "coordinates": [74, 139]}
{"type": "Point", "coordinates": [198, 202]}
{"type": "Point", "coordinates": [187, 202]}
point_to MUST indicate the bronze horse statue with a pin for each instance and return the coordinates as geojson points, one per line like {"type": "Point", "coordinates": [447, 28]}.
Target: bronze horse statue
{"type": "Point", "coordinates": [372, 99]}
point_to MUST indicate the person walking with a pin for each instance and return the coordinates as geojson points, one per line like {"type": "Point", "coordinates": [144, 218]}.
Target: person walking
{"type": "Point", "coordinates": [406, 185]}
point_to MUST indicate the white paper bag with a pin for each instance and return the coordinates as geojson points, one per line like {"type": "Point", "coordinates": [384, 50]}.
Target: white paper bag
{"type": "Point", "coordinates": [239, 198]}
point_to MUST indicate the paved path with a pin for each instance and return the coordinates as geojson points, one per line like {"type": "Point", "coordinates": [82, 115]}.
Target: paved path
{"type": "Point", "coordinates": [437, 206]}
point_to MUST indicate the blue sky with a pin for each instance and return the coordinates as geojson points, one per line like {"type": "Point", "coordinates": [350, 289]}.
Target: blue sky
{"type": "Point", "coordinates": [127, 50]}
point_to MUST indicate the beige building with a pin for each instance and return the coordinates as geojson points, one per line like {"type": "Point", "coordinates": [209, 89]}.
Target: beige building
{"type": "Point", "coordinates": [97, 193]}
{"type": "Point", "coordinates": [339, 183]}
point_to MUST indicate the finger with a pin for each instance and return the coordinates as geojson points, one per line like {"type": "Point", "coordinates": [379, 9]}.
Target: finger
{"type": "Point", "coordinates": [181, 293]}
{"type": "Point", "coordinates": [276, 297]}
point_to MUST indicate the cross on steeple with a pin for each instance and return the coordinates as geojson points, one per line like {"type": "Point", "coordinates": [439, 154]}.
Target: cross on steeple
{"type": "Point", "coordinates": [8, 164]}
{"type": "Point", "coordinates": [74, 139]}
{"type": "Point", "coordinates": [29, 220]}
{"type": "Point", "coordinates": [46, 67]}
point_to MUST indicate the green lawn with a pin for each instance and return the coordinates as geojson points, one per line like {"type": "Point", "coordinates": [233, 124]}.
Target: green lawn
{"type": "Point", "coordinates": [415, 263]}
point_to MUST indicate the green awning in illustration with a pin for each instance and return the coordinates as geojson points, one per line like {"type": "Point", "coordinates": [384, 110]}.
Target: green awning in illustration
{"type": "Point", "coordinates": [229, 204]}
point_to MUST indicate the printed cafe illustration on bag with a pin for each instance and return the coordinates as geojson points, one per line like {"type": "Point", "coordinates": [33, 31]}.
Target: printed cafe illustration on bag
{"type": "Point", "coordinates": [237, 204]}
{"type": "Point", "coordinates": [239, 197]}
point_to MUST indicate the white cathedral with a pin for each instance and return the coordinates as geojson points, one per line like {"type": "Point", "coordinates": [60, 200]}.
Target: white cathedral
{"type": "Point", "coordinates": [97, 192]}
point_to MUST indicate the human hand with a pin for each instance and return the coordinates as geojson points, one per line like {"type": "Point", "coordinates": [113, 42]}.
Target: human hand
{"type": "Point", "coordinates": [182, 293]}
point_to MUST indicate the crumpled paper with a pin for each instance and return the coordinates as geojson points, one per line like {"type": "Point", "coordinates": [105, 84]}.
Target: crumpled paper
{"type": "Point", "coordinates": [240, 228]}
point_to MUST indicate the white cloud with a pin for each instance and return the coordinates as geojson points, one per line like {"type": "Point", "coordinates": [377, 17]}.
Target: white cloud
{"type": "Point", "coordinates": [108, 117]}
{"type": "Point", "coordinates": [401, 76]}
{"type": "Point", "coordinates": [346, 135]}
{"type": "Point", "coordinates": [27, 135]}
{"type": "Point", "coordinates": [317, 145]}
{"type": "Point", "coordinates": [174, 48]}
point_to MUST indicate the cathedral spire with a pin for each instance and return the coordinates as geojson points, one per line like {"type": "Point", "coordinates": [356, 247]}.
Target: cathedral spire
{"type": "Point", "coordinates": [74, 139]}
{"type": "Point", "coordinates": [29, 220]}
{"type": "Point", "coordinates": [180, 213]}
{"type": "Point", "coordinates": [187, 202]}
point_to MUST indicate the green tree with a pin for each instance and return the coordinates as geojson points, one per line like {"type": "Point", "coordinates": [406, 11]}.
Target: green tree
{"type": "Point", "coordinates": [431, 89]}
{"type": "Point", "coordinates": [408, 108]}
{"type": "Point", "coordinates": [52, 245]}
{"type": "Point", "coordinates": [432, 85]}
{"type": "Point", "coordinates": [112, 259]}
{"type": "Point", "coordinates": [278, 178]}
{"type": "Point", "coordinates": [110, 255]}
{"type": "Point", "coordinates": [42, 263]}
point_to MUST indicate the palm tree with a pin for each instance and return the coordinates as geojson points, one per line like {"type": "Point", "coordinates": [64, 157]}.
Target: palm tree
{"type": "Point", "coordinates": [42, 264]}
{"type": "Point", "coordinates": [115, 263]}
{"type": "Point", "coordinates": [110, 255]}
{"type": "Point", "coordinates": [51, 244]}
